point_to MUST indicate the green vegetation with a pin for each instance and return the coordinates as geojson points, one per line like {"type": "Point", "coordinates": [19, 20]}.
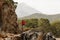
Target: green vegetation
{"type": "Point", "coordinates": [44, 24]}
{"type": "Point", "coordinates": [32, 23]}
{"type": "Point", "coordinates": [56, 26]}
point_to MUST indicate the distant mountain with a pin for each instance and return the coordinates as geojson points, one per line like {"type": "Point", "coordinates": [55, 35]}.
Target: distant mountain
{"type": "Point", "coordinates": [24, 10]}
{"type": "Point", "coordinates": [40, 15]}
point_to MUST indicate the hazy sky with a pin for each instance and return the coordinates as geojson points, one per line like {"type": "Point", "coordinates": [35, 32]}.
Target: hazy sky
{"type": "Point", "coordinates": [44, 6]}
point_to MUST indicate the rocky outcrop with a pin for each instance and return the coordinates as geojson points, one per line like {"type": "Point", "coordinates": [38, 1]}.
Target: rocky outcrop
{"type": "Point", "coordinates": [9, 36]}
{"type": "Point", "coordinates": [27, 35]}
{"type": "Point", "coordinates": [8, 17]}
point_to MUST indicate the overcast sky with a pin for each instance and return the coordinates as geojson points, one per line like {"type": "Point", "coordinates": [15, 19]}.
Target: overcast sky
{"type": "Point", "coordinates": [44, 6]}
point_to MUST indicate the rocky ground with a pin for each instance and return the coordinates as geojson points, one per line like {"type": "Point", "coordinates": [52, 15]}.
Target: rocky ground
{"type": "Point", "coordinates": [9, 36]}
{"type": "Point", "coordinates": [31, 34]}
{"type": "Point", "coordinates": [57, 38]}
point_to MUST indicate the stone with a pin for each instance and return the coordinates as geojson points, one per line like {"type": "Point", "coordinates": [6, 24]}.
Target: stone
{"type": "Point", "coordinates": [8, 17]}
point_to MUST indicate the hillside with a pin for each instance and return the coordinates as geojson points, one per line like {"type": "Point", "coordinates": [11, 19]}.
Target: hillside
{"type": "Point", "coordinates": [40, 15]}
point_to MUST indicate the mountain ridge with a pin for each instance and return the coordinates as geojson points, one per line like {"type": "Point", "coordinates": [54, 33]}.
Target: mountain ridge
{"type": "Point", "coordinates": [24, 10]}
{"type": "Point", "coordinates": [38, 16]}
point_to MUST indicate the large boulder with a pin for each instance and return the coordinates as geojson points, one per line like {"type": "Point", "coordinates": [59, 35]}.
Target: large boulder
{"type": "Point", "coordinates": [8, 17]}
{"type": "Point", "coordinates": [32, 35]}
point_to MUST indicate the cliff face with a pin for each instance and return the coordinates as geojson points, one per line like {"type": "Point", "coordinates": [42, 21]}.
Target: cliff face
{"type": "Point", "coordinates": [8, 18]}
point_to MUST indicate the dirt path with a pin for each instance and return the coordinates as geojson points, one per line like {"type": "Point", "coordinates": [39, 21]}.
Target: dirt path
{"type": "Point", "coordinates": [57, 38]}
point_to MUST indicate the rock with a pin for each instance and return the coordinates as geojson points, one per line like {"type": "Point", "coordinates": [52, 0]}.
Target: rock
{"type": "Point", "coordinates": [32, 35]}
{"type": "Point", "coordinates": [8, 17]}
{"type": "Point", "coordinates": [1, 39]}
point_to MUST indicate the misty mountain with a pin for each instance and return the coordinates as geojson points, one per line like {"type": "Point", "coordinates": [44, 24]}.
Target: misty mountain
{"type": "Point", "coordinates": [24, 9]}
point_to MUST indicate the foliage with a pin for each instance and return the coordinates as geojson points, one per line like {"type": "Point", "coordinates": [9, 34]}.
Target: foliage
{"type": "Point", "coordinates": [33, 23]}
{"type": "Point", "coordinates": [56, 24]}
{"type": "Point", "coordinates": [44, 25]}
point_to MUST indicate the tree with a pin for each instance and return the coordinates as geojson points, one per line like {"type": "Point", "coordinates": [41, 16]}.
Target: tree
{"type": "Point", "coordinates": [32, 23]}
{"type": "Point", "coordinates": [44, 24]}
{"type": "Point", "coordinates": [56, 24]}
